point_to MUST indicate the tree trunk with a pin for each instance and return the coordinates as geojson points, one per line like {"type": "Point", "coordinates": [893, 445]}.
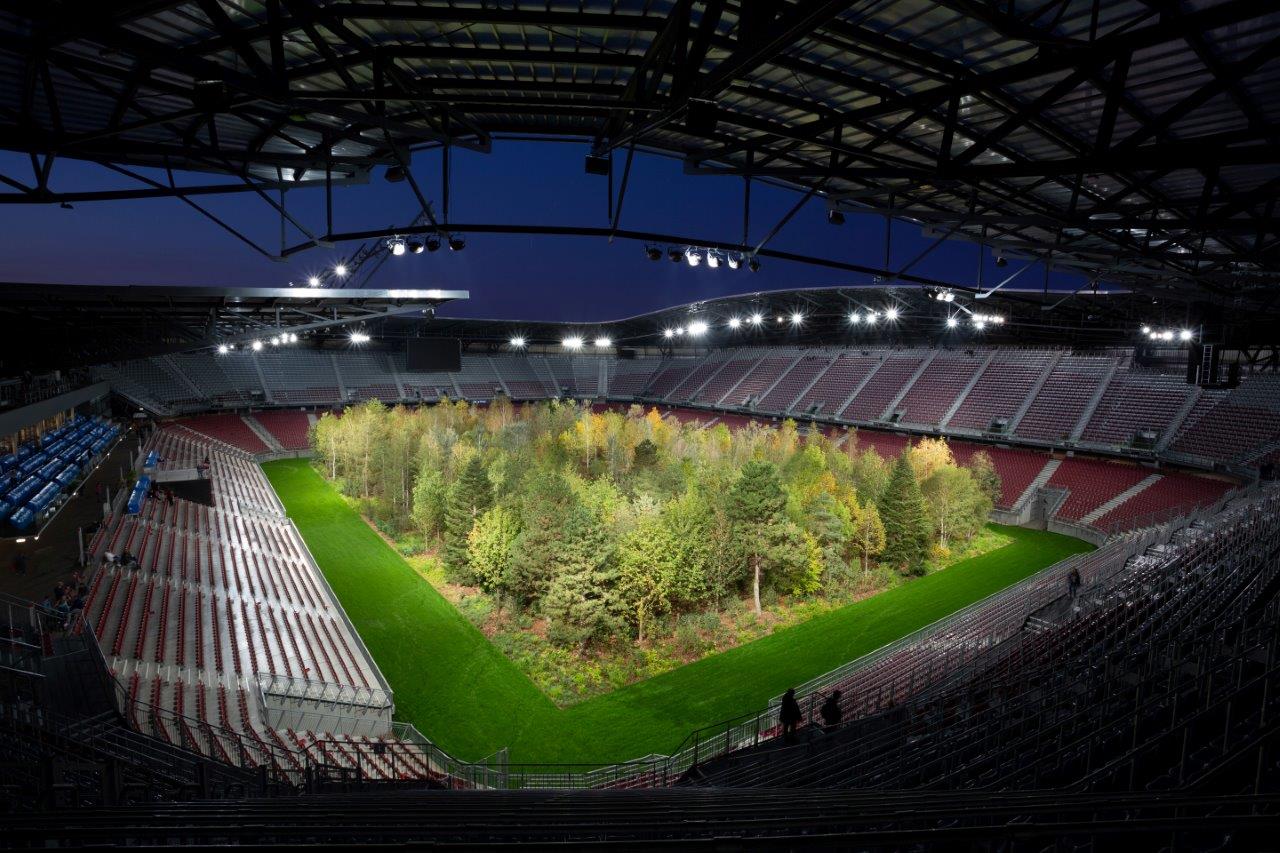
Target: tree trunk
{"type": "Point", "coordinates": [755, 584]}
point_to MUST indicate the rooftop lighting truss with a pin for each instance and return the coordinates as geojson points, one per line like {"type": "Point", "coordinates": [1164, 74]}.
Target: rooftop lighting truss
{"type": "Point", "coordinates": [1130, 139]}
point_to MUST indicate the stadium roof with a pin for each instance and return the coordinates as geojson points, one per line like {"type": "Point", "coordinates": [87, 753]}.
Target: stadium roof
{"type": "Point", "coordinates": [1135, 140]}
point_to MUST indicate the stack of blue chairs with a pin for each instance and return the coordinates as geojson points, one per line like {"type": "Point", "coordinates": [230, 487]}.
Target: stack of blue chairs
{"type": "Point", "coordinates": [46, 468]}
{"type": "Point", "coordinates": [139, 493]}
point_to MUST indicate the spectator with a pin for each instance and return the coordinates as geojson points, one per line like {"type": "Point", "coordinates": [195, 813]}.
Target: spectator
{"type": "Point", "coordinates": [789, 714]}
{"type": "Point", "coordinates": [1073, 583]}
{"type": "Point", "coordinates": [831, 711]}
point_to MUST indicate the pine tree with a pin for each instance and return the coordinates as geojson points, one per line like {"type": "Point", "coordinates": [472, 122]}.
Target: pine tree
{"type": "Point", "coordinates": [469, 496]}
{"type": "Point", "coordinates": [754, 507]}
{"type": "Point", "coordinates": [906, 524]}
{"type": "Point", "coordinates": [544, 508]}
{"type": "Point", "coordinates": [582, 603]}
{"type": "Point", "coordinates": [830, 531]}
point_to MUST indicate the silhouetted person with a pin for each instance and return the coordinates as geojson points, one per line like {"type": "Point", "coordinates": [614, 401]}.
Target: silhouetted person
{"type": "Point", "coordinates": [831, 712]}
{"type": "Point", "coordinates": [789, 714]}
{"type": "Point", "coordinates": [1073, 584]}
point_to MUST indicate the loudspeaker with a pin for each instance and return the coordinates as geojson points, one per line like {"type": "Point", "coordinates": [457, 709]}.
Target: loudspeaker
{"type": "Point", "coordinates": [1194, 353]}
{"type": "Point", "coordinates": [624, 352]}
{"type": "Point", "coordinates": [597, 164]}
{"type": "Point", "coordinates": [434, 355]}
{"type": "Point", "coordinates": [1233, 374]}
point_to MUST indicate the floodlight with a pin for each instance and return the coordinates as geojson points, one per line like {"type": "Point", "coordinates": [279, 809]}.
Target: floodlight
{"type": "Point", "coordinates": [1184, 335]}
{"type": "Point", "coordinates": [979, 324]}
{"type": "Point", "coordinates": [872, 317]}
{"type": "Point", "coordinates": [1146, 330]}
{"type": "Point", "coordinates": [275, 340]}
{"type": "Point", "coordinates": [734, 261]}
{"type": "Point", "coordinates": [734, 322]}
{"type": "Point", "coordinates": [457, 244]}
{"type": "Point", "coordinates": [396, 245]}
{"type": "Point", "coordinates": [693, 257]}
{"type": "Point", "coordinates": [517, 342]}
{"type": "Point", "coordinates": [675, 255]}
{"type": "Point", "coordinates": [756, 319]}
{"type": "Point", "coordinates": [602, 341]}
{"type": "Point", "coordinates": [416, 247]}
{"type": "Point", "coordinates": [679, 330]}
{"type": "Point", "coordinates": [1002, 261]}
{"type": "Point", "coordinates": [293, 337]}
{"type": "Point", "coordinates": [572, 343]}
{"type": "Point", "coordinates": [653, 253]}
{"type": "Point", "coordinates": [855, 318]}
{"type": "Point", "coordinates": [433, 244]}
{"type": "Point", "coordinates": [781, 319]}
{"type": "Point", "coordinates": [835, 217]}
{"type": "Point", "coordinates": [952, 322]}
{"type": "Point", "coordinates": [797, 318]}
{"type": "Point", "coordinates": [313, 281]}
{"type": "Point", "coordinates": [698, 328]}
{"type": "Point", "coordinates": [668, 333]}
{"type": "Point", "coordinates": [359, 338]}
{"type": "Point", "coordinates": [999, 318]}
{"type": "Point", "coordinates": [713, 261]}
{"type": "Point", "coordinates": [1166, 335]}
{"type": "Point", "coordinates": [340, 270]}
{"type": "Point", "coordinates": [891, 313]}
{"type": "Point", "coordinates": [753, 264]}
{"type": "Point", "coordinates": [257, 345]}
{"type": "Point", "coordinates": [222, 349]}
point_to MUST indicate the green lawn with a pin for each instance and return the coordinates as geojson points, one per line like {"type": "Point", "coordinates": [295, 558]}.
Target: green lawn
{"type": "Point", "coordinates": [471, 700]}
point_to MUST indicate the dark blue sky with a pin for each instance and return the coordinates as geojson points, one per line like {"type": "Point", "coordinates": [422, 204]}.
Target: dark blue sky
{"type": "Point", "coordinates": [164, 242]}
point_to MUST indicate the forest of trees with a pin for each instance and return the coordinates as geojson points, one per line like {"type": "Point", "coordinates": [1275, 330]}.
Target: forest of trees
{"type": "Point", "coordinates": [605, 523]}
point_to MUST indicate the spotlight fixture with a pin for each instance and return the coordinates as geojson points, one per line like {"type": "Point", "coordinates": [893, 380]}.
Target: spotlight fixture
{"type": "Point", "coordinates": [734, 322]}
{"type": "Point", "coordinates": [734, 260]}
{"type": "Point", "coordinates": [653, 253]}
{"type": "Point", "coordinates": [313, 281]}
{"type": "Point", "coordinates": [855, 318]}
{"type": "Point", "coordinates": [396, 245]}
{"type": "Point", "coordinates": [359, 338]}
{"type": "Point", "coordinates": [668, 333]}
{"type": "Point", "coordinates": [394, 174]}
{"type": "Point", "coordinates": [340, 270]}
{"type": "Point", "coordinates": [675, 255]}
{"type": "Point", "coordinates": [257, 346]}
{"type": "Point", "coordinates": [433, 244]}
{"type": "Point", "coordinates": [293, 337]}
{"type": "Point", "coordinates": [713, 260]}
{"type": "Point", "coordinates": [1184, 335]}
{"type": "Point", "coordinates": [891, 314]}
{"type": "Point", "coordinates": [416, 247]}
{"type": "Point", "coordinates": [574, 343]}
{"type": "Point", "coordinates": [603, 342]}
{"type": "Point", "coordinates": [1146, 330]}
{"type": "Point", "coordinates": [753, 264]}
{"type": "Point", "coordinates": [952, 322]}
{"type": "Point", "coordinates": [1002, 261]}
{"type": "Point", "coordinates": [692, 256]}
{"type": "Point", "coordinates": [945, 296]}
{"type": "Point", "coordinates": [872, 317]}
{"type": "Point", "coordinates": [679, 330]}
{"type": "Point", "coordinates": [979, 324]}
{"type": "Point", "coordinates": [797, 318]}
{"type": "Point", "coordinates": [517, 342]}
{"type": "Point", "coordinates": [275, 340]}
{"type": "Point", "coordinates": [698, 328]}
{"type": "Point", "coordinates": [756, 319]}
{"type": "Point", "coordinates": [780, 319]}
{"type": "Point", "coordinates": [835, 217]}
{"type": "Point", "coordinates": [222, 349]}
{"type": "Point", "coordinates": [457, 244]}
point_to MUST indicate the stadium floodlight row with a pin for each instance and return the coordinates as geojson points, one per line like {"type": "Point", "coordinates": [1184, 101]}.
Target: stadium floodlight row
{"type": "Point", "coordinates": [1035, 398]}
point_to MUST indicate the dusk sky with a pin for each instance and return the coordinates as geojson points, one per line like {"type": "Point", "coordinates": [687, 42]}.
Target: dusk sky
{"type": "Point", "coordinates": [164, 242]}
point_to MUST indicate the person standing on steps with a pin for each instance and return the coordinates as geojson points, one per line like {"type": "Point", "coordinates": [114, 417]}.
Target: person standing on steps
{"type": "Point", "coordinates": [789, 715]}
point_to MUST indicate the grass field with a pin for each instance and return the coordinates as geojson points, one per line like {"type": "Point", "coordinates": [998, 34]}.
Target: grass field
{"type": "Point", "coordinates": [465, 695]}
